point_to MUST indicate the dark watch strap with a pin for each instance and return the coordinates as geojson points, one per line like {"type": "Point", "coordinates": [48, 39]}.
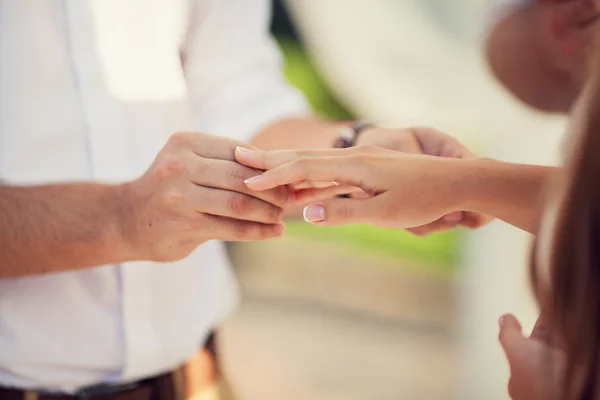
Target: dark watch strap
{"type": "Point", "coordinates": [348, 136]}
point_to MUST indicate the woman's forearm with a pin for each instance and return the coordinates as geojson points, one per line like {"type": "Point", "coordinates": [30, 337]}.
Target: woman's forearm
{"type": "Point", "coordinates": [510, 192]}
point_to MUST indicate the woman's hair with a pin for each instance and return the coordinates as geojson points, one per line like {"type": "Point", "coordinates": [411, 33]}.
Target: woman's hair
{"type": "Point", "coordinates": [570, 297]}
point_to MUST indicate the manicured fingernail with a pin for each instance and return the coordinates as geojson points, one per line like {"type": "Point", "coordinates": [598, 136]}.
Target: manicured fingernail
{"type": "Point", "coordinates": [254, 179]}
{"type": "Point", "coordinates": [454, 217]}
{"type": "Point", "coordinates": [501, 321]}
{"type": "Point", "coordinates": [314, 213]}
{"type": "Point", "coordinates": [243, 150]}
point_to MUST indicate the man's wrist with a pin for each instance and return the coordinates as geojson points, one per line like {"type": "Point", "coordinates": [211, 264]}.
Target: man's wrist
{"type": "Point", "coordinates": [121, 224]}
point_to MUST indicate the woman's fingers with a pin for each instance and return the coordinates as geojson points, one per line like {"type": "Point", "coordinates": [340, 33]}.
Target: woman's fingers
{"type": "Point", "coordinates": [342, 211]}
{"type": "Point", "coordinates": [265, 160]}
{"type": "Point", "coordinates": [312, 185]}
{"type": "Point", "coordinates": [310, 195]}
{"type": "Point", "coordinates": [338, 212]}
{"type": "Point", "coordinates": [348, 171]}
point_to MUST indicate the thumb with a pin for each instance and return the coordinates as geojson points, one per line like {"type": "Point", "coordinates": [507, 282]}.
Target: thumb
{"type": "Point", "coordinates": [541, 331]}
{"type": "Point", "coordinates": [338, 212]}
{"type": "Point", "coordinates": [511, 337]}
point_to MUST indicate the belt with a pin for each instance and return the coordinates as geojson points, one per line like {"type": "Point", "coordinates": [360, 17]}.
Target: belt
{"type": "Point", "coordinates": [164, 387]}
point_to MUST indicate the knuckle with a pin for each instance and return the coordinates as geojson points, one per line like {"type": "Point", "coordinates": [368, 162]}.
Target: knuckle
{"type": "Point", "coordinates": [239, 203]}
{"type": "Point", "coordinates": [241, 230]}
{"type": "Point", "coordinates": [179, 138]}
{"type": "Point", "coordinates": [239, 173]}
{"type": "Point", "coordinates": [280, 195]}
{"type": "Point", "coordinates": [275, 214]}
{"type": "Point", "coordinates": [170, 166]}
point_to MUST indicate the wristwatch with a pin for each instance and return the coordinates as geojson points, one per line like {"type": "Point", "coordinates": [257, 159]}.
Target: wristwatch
{"type": "Point", "coordinates": [348, 136]}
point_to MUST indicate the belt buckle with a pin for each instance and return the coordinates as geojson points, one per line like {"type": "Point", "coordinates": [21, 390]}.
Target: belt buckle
{"type": "Point", "coordinates": [30, 395]}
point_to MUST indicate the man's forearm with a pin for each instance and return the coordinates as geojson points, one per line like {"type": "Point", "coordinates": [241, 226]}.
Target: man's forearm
{"type": "Point", "coordinates": [61, 227]}
{"type": "Point", "coordinates": [513, 193]}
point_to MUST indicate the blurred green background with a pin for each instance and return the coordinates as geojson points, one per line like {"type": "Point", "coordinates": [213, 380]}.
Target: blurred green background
{"type": "Point", "coordinates": [438, 252]}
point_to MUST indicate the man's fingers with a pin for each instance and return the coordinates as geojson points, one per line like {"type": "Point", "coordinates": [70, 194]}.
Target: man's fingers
{"type": "Point", "coordinates": [474, 220]}
{"type": "Point", "coordinates": [441, 225]}
{"type": "Point", "coordinates": [227, 175]}
{"type": "Point", "coordinates": [349, 171]}
{"type": "Point", "coordinates": [234, 205]}
{"type": "Point", "coordinates": [233, 230]}
{"type": "Point", "coordinates": [208, 146]}
{"type": "Point", "coordinates": [511, 337]}
{"type": "Point", "coordinates": [435, 143]}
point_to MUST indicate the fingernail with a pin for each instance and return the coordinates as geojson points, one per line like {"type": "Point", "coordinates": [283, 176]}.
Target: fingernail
{"type": "Point", "coordinates": [454, 217]}
{"type": "Point", "coordinates": [501, 321]}
{"type": "Point", "coordinates": [243, 150]}
{"type": "Point", "coordinates": [253, 179]}
{"type": "Point", "coordinates": [314, 213]}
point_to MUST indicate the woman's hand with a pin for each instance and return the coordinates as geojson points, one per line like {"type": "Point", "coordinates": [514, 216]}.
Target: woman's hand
{"type": "Point", "coordinates": [404, 190]}
{"type": "Point", "coordinates": [535, 362]}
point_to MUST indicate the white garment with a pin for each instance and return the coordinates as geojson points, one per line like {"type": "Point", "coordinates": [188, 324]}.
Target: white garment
{"type": "Point", "coordinates": [91, 90]}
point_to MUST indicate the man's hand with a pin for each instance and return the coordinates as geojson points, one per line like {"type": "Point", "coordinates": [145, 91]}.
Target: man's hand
{"type": "Point", "coordinates": [428, 141]}
{"type": "Point", "coordinates": [195, 192]}
{"type": "Point", "coordinates": [536, 365]}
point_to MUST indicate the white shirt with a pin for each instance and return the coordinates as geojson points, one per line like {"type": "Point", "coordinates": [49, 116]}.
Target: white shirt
{"type": "Point", "coordinates": [91, 90]}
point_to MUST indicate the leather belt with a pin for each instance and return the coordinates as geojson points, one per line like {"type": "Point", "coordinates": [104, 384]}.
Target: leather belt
{"type": "Point", "coordinates": [164, 387]}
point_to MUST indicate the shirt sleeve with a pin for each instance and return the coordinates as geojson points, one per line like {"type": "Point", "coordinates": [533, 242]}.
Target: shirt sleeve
{"type": "Point", "coordinates": [233, 69]}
